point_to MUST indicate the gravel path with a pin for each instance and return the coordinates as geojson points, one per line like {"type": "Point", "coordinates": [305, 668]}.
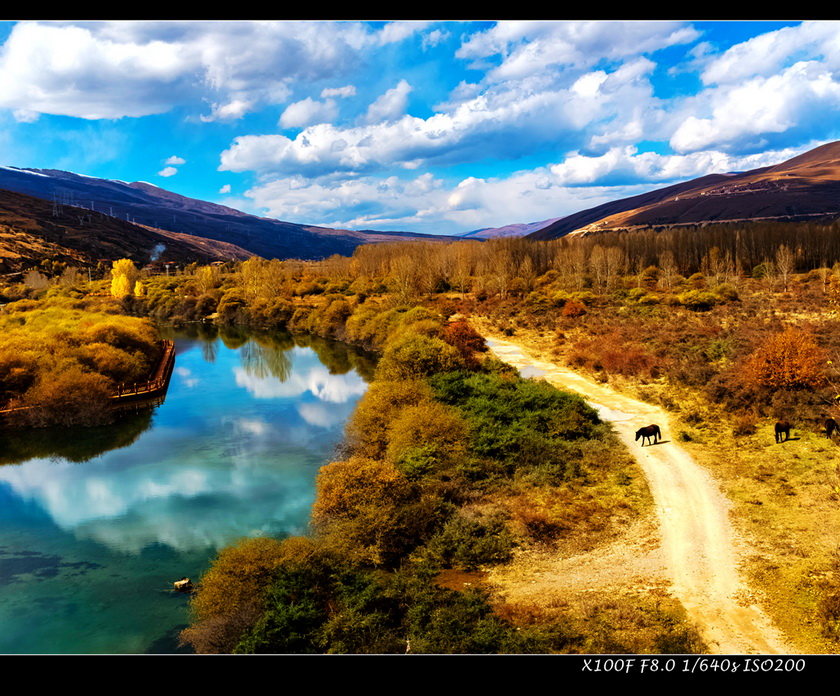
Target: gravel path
{"type": "Point", "coordinates": [699, 546]}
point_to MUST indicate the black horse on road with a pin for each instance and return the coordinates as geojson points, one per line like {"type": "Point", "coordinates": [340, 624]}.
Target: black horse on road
{"type": "Point", "coordinates": [649, 432]}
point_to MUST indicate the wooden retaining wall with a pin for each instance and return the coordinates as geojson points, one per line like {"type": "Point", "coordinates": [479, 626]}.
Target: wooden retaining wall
{"type": "Point", "coordinates": [154, 387]}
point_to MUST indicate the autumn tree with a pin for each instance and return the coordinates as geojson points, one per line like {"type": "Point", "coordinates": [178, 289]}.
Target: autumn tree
{"type": "Point", "coordinates": [124, 276]}
{"type": "Point", "coordinates": [789, 360]}
{"type": "Point", "coordinates": [413, 356]}
{"type": "Point", "coordinates": [369, 427]}
{"type": "Point", "coordinates": [207, 278]}
{"type": "Point", "coordinates": [407, 275]}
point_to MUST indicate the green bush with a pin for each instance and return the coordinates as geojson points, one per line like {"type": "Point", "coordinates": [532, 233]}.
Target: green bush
{"type": "Point", "coordinates": [699, 300]}
{"type": "Point", "coordinates": [518, 424]}
{"type": "Point", "coordinates": [468, 543]}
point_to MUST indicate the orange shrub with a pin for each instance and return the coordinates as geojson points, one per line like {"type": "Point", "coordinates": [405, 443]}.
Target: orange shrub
{"type": "Point", "coordinates": [574, 308]}
{"type": "Point", "coordinates": [789, 360]}
{"type": "Point", "coordinates": [466, 339]}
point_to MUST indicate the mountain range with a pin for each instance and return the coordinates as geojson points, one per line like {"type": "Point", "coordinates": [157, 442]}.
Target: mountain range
{"type": "Point", "coordinates": [82, 219]}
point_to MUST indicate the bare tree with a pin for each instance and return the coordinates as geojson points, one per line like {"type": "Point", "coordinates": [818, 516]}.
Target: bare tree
{"type": "Point", "coordinates": [35, 280]}
{"type": "Point", "coordinates": [464, 262]}
{"type": "Point", "coordinates": [785, 264]}
{"type": "Point", "coordinates": [668, 268]}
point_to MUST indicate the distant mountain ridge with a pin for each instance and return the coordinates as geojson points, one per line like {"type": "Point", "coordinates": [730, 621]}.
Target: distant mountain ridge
{"type": "Point", "coordinates": [807, 186]}
{"type": "Point", "coordinates": [514, 230]}
{"type": "Point", "coordinates": [151, 206]}
{"type": "Point", "coordinates": [82, 218]}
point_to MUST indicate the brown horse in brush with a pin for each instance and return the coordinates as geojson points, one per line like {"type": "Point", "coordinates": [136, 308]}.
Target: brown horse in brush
{"type": "Point", "coordinates": [649, 432]}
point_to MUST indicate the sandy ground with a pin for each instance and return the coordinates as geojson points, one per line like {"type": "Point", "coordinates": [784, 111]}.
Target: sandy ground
{"type": "Point", "coordinates": [690, 547]}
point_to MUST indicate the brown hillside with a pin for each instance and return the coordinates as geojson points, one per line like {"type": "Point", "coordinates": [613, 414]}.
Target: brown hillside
{"type": "Point", "coordinates": [807, 186]}
{"type": "Point", "coordinates": [820, 163]}
{"type": "Point", "coordinates": [32, 229]}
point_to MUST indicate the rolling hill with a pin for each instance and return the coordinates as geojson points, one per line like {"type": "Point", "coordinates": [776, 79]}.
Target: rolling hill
{"type": "Point", "coordinates": [807, 186]}
{"type": "Point", "coordinates": [31, 229]}
{"type": "Point", "coordinates": [169, 213]}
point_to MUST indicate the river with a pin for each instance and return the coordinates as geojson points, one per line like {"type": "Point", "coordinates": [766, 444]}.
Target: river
{"type": "Point", "coordinates": [97, 523]}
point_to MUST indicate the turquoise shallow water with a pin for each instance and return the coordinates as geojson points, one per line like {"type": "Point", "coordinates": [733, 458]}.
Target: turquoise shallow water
{"type": "Point", "coordinates": [92, 538]}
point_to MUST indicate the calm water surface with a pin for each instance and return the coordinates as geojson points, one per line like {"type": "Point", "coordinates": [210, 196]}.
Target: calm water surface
{"type": "Point", "coordinates": [96, 524]}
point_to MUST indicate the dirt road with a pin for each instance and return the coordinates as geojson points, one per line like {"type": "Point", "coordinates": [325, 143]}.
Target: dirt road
{"type": "Point", "coordinates": [700, 549]}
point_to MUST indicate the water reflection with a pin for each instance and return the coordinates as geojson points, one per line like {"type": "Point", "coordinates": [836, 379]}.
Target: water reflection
{"type": "Point", "coordinates": [80, 445]}
{"type": "Point", "coordinates": [233, 451]}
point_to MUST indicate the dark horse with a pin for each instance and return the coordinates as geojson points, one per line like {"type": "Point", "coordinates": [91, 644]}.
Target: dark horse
{"type": "Point", "coordinates": [831, 427]}
{"type": "Point", "coordinates": [648, 432]}
{"type": "Point", "coordinates": [782, 427]}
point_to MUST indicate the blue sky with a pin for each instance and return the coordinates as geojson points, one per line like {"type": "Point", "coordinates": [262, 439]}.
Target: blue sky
{"type": "Point", "coordinates": [439, 127]}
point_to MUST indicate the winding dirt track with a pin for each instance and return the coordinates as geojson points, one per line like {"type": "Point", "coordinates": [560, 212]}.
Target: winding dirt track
{"type": "Point", "coordinates": [698, 541]}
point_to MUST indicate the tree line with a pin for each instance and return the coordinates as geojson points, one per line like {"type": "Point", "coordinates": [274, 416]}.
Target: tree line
{"type": "Point", "coordinates": [510, 266]}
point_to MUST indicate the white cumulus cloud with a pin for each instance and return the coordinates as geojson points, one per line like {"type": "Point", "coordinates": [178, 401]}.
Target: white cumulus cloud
{"type": "Point", "coordinates": [108, 70]}
{"type": "Point", "coordinates": [307, 112]}
{"type": "Point", "coordinates": [755, 114]}
{"type": "Point", "coordinates": [391, 105]}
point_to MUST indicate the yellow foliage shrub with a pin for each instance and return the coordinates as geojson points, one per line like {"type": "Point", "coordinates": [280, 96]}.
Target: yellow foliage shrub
{"type": "Point", "coordinates": [241, 572]}
{"type": "Point", "coordinates": [429, 425]}
{"type": "Point", "coordinates": [363, 510]}
{"type": "Point", "coordinates": [368, 429]}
